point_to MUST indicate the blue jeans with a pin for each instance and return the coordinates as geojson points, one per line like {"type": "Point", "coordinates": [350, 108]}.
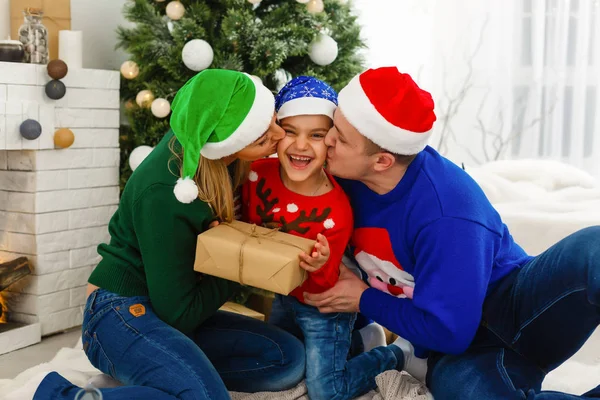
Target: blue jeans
{"type": "Point", "coordinates": [533, 321]}
{"type": "Point", "coordinates": [123, 337]}
{"type": "Point", "coordinates": [327, 338]}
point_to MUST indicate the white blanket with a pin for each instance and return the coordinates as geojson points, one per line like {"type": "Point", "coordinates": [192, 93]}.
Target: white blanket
{"type": "Point", "coordinates": [540, 201]}
{"type": "Point", "coordinates": [74, 366]}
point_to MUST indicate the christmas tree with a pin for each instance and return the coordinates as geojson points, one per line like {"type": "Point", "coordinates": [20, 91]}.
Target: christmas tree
{"type": "Point", "coordinates": [273, 40]}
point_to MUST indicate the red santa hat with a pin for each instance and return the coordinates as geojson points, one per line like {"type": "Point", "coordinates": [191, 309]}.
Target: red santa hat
{"type": "Point", "coordinates": [376, 242]}
{"type": "Point", "coordinates": [388, 107]}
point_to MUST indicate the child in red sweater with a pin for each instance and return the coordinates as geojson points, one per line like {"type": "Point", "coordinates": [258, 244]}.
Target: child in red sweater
{"type": "Point", "coordinates": [295, 194]}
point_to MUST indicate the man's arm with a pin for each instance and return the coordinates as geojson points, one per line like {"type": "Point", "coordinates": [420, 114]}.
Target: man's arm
{"type": "Point", "coordinates": [454, 259]}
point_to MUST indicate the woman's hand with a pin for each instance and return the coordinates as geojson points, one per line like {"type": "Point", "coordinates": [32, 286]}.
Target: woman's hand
{"type": "Point", "coordinates": [319, 256]}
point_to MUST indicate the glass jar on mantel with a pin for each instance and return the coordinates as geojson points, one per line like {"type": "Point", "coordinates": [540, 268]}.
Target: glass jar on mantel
{"type": "Point", "coordinates": [34, 36]}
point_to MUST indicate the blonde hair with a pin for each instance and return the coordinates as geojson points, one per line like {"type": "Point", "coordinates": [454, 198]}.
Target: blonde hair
{"type": "Point", "coordinates": [215, 186]}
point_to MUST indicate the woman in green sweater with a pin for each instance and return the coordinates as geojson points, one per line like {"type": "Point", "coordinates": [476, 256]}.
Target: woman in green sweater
{"type": "Point", "coordinates": [151, 321]}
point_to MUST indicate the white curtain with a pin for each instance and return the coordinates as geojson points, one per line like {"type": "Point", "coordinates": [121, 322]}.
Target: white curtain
{"type": "Point", "coordinates": [511, 78]}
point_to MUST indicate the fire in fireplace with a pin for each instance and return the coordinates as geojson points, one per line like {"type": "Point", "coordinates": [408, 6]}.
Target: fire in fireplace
{"type": "Point", "coordinates": [15, 334]}
{"type": "Point", "coordinates": [11, 272]}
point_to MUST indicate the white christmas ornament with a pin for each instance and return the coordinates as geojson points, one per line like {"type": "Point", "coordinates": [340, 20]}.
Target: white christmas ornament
{"type": "Point", "coordinates": [175, 10]}
{"type": "Point", "coordinates": [197, 55]}
{"type": "Point", "coordinates": [138, 155]}
{"type": "Point", "coordinates": [315, 6]}
{"type": "Point", "coordinates": [323, 51]}
{"type": "Point", "coordinates": [281, 78]}
{"type": "Point", "coordinates": [160, 108]}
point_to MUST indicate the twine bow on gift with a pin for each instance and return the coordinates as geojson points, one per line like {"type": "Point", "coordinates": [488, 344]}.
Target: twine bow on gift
{"type": "Point", "coordinates": [254, 233]}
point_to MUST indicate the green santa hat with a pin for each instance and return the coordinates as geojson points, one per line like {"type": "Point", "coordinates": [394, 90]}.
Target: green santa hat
{"type": "Point", "coordinates": [216, 114]}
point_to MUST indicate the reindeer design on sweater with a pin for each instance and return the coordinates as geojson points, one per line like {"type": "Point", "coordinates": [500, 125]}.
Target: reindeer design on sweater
{"type": "Point", "coordinates": [267, 202]}
{"type": "Point", "coordinates": [267, 210]}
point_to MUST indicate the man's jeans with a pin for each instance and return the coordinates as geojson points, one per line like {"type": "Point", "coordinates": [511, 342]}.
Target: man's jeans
{"type": "Point", "coordinates": [536, 319]}
{"type": "Point", "coordinates": [327, 337]}
{"type": "Point", "coordinates": [123, 337]}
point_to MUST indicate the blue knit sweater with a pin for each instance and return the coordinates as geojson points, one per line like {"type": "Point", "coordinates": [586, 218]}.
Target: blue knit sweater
{"type": "Point", "coordinates": [432, 247]}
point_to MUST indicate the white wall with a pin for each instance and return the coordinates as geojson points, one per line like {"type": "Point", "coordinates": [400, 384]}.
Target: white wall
{"type": "Point", "coordinates": [98, 20]}
{"type": "Point", "coordinates": [398, 33]}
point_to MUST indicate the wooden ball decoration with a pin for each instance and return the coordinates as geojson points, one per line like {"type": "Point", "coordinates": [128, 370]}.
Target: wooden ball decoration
{"type": "Point", "coordinates": [30, 129]}
{"type": "Point", "coordinates": [129, 105]}
{"type": "Point", "coordinates": [144, 99]}
{"type": "Point", "coordinates": [64, 138]}
{"type": "Point", "coordinates": [175, 10]}
{"type": "Point", "coordinates": [55, 89]}
{"type": "Point", "coordinates": [57, 69]}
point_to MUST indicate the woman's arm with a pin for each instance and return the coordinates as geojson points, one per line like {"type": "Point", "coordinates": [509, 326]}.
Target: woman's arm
{"type": "Point", "coordinates": [167, 232]}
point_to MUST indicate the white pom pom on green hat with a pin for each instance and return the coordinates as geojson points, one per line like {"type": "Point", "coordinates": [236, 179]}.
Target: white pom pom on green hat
{"type": "Point", "coordinates": [216, 114]}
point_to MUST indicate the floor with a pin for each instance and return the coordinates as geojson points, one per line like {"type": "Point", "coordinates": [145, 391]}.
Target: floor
{"type": "Point", "coordinates": [12, 364]}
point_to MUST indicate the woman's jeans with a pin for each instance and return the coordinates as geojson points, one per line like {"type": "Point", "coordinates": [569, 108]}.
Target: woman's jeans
{"type": "Point", "coordinates": [123, 337]}
{"type": "Point", "coordinates": [537, 318]}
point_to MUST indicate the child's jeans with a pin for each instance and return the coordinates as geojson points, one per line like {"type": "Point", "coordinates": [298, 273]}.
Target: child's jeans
{"type": "Point", "coordinates": [327, 337]}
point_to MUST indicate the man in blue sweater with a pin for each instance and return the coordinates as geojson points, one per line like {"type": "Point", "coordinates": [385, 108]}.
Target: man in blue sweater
{"type": "Point", "coordinates": [444, 272]}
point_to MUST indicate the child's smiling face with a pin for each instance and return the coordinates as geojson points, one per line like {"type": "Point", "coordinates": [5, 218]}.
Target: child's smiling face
{"type": "Point", "coordinates": [302, 152]}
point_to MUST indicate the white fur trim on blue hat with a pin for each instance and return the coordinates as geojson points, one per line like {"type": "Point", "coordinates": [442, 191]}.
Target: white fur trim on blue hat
{"type": "Point", "coordinates": [306, 106]}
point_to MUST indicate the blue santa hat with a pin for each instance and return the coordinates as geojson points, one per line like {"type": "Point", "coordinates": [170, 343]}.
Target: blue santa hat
{"type": "Point", "coordinates": [305, 95]}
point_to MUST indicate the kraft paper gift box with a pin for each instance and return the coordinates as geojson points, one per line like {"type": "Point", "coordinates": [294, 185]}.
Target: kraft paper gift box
{"type": "Point", "coordinates": [253, 256]}
{"type": "Point", "coordinates": [242, 310]}
{"type": "Point", "coordinates": [57, 16]}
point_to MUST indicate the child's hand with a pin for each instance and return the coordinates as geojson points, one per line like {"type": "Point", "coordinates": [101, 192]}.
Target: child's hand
{"type": "Point", "coordinates": [319, 256]}
{"type": "Point", "coordinates": [213, 224]}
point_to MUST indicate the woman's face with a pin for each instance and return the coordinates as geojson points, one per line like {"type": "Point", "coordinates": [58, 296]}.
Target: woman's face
{"type": "Point", "coordinates": [265, 145]}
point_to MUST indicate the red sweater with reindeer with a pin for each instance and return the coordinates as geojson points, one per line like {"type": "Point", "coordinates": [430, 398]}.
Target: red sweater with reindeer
{"type": "Point", "coordinates": [267, 202]}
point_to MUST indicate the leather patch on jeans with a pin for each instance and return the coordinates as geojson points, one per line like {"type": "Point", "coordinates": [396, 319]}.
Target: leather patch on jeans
{"type": "Point", "coordinates": [137, 310]}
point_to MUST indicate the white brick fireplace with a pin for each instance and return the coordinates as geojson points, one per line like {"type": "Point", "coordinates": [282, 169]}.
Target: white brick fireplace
{"type": "Point", "coordinates": [55, 204]}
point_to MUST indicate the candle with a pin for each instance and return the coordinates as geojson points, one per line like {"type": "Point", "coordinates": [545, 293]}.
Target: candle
{"type": "Point", "coordinates": [4, 19]}
{"type": "Point", "coordinates": [70, 48]}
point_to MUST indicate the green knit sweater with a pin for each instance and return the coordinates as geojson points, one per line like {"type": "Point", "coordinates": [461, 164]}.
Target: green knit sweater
{"type": "Point", "coordinates": [153, 244]}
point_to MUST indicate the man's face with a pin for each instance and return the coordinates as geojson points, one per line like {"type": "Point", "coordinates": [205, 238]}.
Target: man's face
{"type": "Point", "coordinates": [346, 155]}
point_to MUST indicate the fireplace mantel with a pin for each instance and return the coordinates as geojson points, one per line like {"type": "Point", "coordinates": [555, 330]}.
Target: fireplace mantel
{"type": "Point", "coordinates": [55, 204]}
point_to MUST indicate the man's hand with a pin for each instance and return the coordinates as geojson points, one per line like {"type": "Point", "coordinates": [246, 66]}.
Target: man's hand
{"type": "Point", "coordinates": [343, 297]}
{"type": "Point", "coordinates": [318, 258]}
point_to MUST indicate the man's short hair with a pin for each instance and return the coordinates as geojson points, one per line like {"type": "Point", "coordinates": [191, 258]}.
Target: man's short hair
{"type": "Point", "coordinates": [373, 148]}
